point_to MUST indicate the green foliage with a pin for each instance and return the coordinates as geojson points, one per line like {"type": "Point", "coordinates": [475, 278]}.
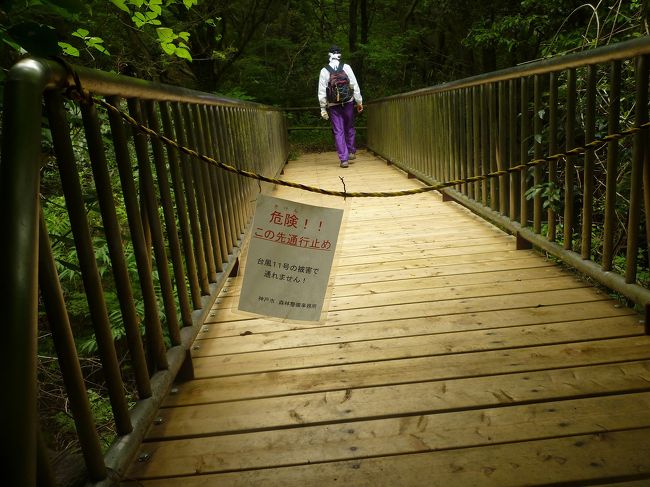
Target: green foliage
{"type": "Point", "coordinates": [64, 249]}
{"type": "Point", "coordinates": [504, 33]}
{"type": "Point", "coordinates": [173, 43]}
{"type": "Point", "coordinates": [91, 42]}
{"type": "Point", "coordinates": [271, 51]}
{"type": "Point", "coordinates": [238, 93]}
{"type": "Point", "coordinates": [69, 49]}
{"type": "Point", "coordinates": [63, 27]}
{"type": "Point", "coordinates": [550, 193]}
{"type": "Point", "coordinates": [102, 413]}
{"type": "Point", "coordinates": [69, 270]}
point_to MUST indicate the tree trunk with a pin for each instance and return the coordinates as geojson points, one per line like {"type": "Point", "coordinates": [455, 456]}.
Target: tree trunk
{"type": "Point", "coordinates": [407, 16]}
{"type": "Point", "coordinates": [352, 32]}
{"type": "Point", "coordinates": [363, 7]}
{"type": "Point", "coordinates": [359, 71]}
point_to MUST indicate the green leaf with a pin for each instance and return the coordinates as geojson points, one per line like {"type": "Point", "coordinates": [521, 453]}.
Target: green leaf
{"type": "Point", "coordinates": [189, 3]}
{"type": "Point", "coordinates": [168, 48]}
{"type": "Point", "coordinates": [10, 43]}
{"type": "Point", "coordinates": [68, 49]}
{"type": "Point", "coordinates": [121, 4]}
{"type": "Point", "coordinates": [139, 20]}
{"type": "Point", "coordinates": [96, 43]}
{"type": "Point", "coordinates": [81, 33]}
{"type": "Point", "coordinates": [165, 34]}
{"type": "Point", "coordinates": [183, 53]}
{"type": "Point", "coordinates": [184, 35]}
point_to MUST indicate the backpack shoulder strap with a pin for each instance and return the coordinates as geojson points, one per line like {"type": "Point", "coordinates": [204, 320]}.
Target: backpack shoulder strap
{"type": "Point", "coordinates": [338, 69]}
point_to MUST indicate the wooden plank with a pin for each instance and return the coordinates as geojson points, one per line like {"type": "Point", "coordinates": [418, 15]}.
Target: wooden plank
{"type": "Point", "coordinates": [425, 226]}
{"type": "Point", "coordinates": [575, 459]}
{"type": "Point", "coordinates": [545, 270]}
{"type": "Point", "coordinates": [429, 364]}
{"type": "Point", "coordinates": [400, 400]}
{"type": "Point", "coordinates": [416, 294]}
{"type": "Point", "coordinates": [628, 483]}
{"type": "Point", "coordinates": [408, 229]}
{"type": "Point", "coordinates": [380, 249]}
{"type": "Point", "coordinates": [400, 246]}
{"type": "Point", "coordinates": [435, 296]}
{"type": "Point", "coordinates": [408, 255]}
{"type": "Point", "coordinates": [214, 359]}
{"type": "Point", "coordinates": [521, 261]}
{"type": "Point", "coordinates": [445, 307]}
{"type": "Point", "coordinates": [456, 221]}
{"type": "Point", "coordinates": [466, 305]}
{"type": "Point", "coordinates": [549, 313]}
{"type": "Point", "coordinates": [425, 209]}
{"type": "Point", "coordinates": [393, 436]}
{"type": "Point", "coordinates": [464, 229]}
{"type": "Point", "coordinates": [431, 262]}
{"type": "Point", "coordinates": [381, 332]}
{"type": "Point", "coordinates": [481, 278]}
{"type": "Point", "coordinates": [434, 212]}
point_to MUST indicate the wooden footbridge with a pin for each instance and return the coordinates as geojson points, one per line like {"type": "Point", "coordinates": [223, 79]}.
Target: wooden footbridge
{"type": "Point", "coordinates": [447, 357]}
{"type": "Point", "coordinates": [489, 328]}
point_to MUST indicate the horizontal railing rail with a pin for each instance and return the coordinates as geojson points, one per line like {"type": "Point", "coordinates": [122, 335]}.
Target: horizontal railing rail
{"type": "Point", "coordinates": [316, 110]}
{"type": "Point", "coordinates": [592, 210]}
{"type": "Point", "coordinates": [152, 230]}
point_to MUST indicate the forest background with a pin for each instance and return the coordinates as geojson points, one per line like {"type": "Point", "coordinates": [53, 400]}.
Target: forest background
{"type": "Point", "coordinates": [271, 51]}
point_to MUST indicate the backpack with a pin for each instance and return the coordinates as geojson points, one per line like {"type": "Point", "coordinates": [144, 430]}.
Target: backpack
{"type": "Point", "coordinates": [338, 87]}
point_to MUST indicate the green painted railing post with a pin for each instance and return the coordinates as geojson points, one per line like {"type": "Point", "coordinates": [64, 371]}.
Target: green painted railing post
{"type": "Point", "coordinates": [19, 176]}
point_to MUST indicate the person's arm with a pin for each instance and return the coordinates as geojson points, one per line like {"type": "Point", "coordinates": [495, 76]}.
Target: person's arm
{"type": "Point", "coordinates": [322, 92]}
{"type": "Point", "coordinates": [356, 89]}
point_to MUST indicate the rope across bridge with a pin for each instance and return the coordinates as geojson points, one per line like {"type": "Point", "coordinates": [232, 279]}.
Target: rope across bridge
{"type": "Point", "coordinates": [76, 93]}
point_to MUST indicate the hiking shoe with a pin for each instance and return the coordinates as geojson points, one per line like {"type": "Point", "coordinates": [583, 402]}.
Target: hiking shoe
{"type": "Point", "coordinates": [344, 163]}
{"type": "Point", "coordinates": [352, 157]}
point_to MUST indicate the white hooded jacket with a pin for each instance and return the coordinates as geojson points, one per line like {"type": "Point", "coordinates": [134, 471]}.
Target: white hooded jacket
{"type": "Point", "coordinates": [324, 79]}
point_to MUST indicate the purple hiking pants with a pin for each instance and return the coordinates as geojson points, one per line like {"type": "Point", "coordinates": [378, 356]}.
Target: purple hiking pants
{"type": "Point", "coordinates": [342, 118]}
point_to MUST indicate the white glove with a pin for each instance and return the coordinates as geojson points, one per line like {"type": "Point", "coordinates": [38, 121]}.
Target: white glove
{"type": "Point", "coordinates": [324, 114]}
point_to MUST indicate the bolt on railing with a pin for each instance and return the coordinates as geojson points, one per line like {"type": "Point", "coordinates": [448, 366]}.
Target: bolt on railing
{"type": "Point", "coordinates": [592, 210]}
{"type": "Point", "coordinates": [170, 225]}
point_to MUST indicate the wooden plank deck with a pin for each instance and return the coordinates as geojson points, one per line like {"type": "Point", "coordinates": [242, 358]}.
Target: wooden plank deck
{"type": "Point", "coordinates": [447, 358]}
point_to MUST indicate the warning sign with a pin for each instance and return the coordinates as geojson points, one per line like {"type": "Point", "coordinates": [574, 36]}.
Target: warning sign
{"type": "Point", "coordinates": [289, 259]}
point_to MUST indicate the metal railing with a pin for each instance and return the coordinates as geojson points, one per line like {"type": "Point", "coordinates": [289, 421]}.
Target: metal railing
{"type": "Point", "coordinates": [588, 208]}
{"type": "Point", "coordinates": [181, 218]}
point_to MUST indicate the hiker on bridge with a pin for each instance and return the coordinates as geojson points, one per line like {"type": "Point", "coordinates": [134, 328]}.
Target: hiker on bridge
{"type": "Point", "coordinates": [338, 92]}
